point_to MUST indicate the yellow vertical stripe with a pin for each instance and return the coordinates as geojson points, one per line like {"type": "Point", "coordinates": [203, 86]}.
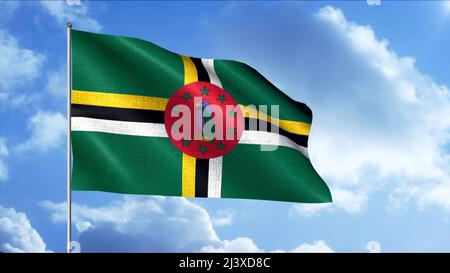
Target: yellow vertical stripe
{"type": "Point", "coordinates": [188, 189]}
{"type": "Point", "coordinates": [188, 166]}
{"type": "Point", "coordinates": [190, 72]}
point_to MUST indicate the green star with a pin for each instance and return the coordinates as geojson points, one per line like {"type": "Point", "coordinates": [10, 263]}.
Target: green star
{"type": "Point", "coordinates": [186, 96]}
{"type": "Point", "coordinates": [186, 142]}
{"type": "Point", "coordinates": [203, 149]}
{"type": "Point", "coordinates": [220, 145]}
{"type": "Point", "coordinates": [211, 141]}
{"type": "Point", "coordinates": [204, 91]}
{"type": "Point", "coordinates": [221, 98]}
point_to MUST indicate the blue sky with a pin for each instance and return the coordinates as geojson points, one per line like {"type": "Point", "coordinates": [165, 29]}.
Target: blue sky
{"type": "Point", "coordinates": [378, 87]}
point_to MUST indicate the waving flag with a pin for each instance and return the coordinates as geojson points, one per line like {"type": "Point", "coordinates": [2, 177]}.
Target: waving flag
{"type": "Point", "coordinates": [129, 99]}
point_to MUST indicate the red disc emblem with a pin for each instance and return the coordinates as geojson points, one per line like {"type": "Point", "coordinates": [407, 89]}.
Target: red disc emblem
{"type": "Point", "coordinates": [203, 121]}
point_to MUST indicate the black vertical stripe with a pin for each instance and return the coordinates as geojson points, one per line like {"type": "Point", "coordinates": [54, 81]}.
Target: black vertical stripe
{"type": "Point", "coordinates": [201, 71]}
{"type": "Point", "coordinates": [201, 177]}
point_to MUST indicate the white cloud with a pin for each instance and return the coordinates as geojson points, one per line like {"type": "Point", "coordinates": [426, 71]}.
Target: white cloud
{"type": "Point", "coordinates": [408, 108]}
{"type": "Point", "coordinates": [74, 2]}
{"type": "Point", "coordinates": [123, 213]}
{"type": "Point", "coordinates": [425, 195]}
{"type": "Point", "coordinates": [379, 122]}
{"type": "Point", "coordinates": [3, 149]}
{"type": "Point", "coordinates": [17, 234]}
{"type": "Point", "coordinates": [373, 247]}
{"type": "Point", "coordinates": [374, 2]}
{"type": "Point", "coordinates": [350, 201]}
{"type": "Point", "coordinates": [48, 132]}
{"type": "Point", "coordinates": [240, 244]}
{"type": "Point", "coordinates": [439, 195]}
{"type": "Point", "coordinates": [19, 66]}
{"type": "Point", "coordinates": [24, 99]}
{"type": "Point", "coordinates": [397, 123]}
{"type": "Point", "coordinates": [149, 223]}
{"type": "Point", "coordinates": [57, 82]}
{"type": "Point", "coordinates": [73, 12]}
{"type": "Point", "coordinates": [309, 209]}
{"type": "Point", "coordinates": [83, 226]}
{"type": "Point", "coordinates": [223, 217]}
{"type": "Point", "coordinates": [158, 224]}
{"type": "Point", "coordinates": [3, 153]}
{"type": "Point", "coordinates": [316, 247]}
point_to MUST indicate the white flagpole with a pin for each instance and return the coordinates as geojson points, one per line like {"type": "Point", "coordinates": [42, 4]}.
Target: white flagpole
{"type": "Point", "coordinates": [69, 160]}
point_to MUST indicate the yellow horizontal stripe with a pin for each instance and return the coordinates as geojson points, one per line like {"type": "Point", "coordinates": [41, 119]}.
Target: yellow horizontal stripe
{"type": "Point", "coordinates": [295, 127]}
{"type": "Point", "coordinates": [188, 176]}
{"type": "Point", "coordinates": [118, 100]}
{"type": "Point", "coordinates": [159, 104]}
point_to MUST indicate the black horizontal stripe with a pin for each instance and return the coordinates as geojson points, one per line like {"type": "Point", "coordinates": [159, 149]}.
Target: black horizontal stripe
{"type": "Point", "coordinates": [201, 177]}
{"type": "Point", "coordinates": [121, 114]}
{"type": "Point", "coordinates": [201, 70]}
{"type": "Point", "coordinates": [301, 140]}
{"type": "Point", "coordinates": [151, 116]}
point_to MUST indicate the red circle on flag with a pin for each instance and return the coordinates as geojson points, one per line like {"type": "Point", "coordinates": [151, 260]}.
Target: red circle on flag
{"type": "Point", "coordinates": [202, 120]}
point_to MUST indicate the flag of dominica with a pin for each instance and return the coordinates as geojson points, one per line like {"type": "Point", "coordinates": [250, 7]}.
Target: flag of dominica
{"type": "Point", "coordinates": [145, 120]}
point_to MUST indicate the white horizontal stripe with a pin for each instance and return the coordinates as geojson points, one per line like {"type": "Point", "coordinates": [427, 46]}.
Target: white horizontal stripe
{"type": "Point", "coordinates": [269, 138]}
{"type": "Point", "coordinates": [118, 127]}
{"type": "Point", "coordinates": [215, 177]}
{"type": "Point", "coordinates": [159, 130]}
{"type": "Point", "coordinates": [209, 66]}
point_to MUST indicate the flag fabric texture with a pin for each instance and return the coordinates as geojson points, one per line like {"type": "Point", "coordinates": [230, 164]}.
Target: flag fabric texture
{"type": "Point", "coordinates": [120, 90]}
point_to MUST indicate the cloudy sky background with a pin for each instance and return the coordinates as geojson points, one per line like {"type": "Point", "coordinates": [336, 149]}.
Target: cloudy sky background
{"type": "Point", "coordinates": [376, 77]}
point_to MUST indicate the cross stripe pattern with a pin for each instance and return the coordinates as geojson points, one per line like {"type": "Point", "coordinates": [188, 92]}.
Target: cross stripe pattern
{"type": "Point", "coordinates": [144, 116]}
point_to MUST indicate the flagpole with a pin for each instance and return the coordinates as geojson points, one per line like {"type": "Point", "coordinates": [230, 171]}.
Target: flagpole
{"type": "Point", "coordinates": [69, 160]}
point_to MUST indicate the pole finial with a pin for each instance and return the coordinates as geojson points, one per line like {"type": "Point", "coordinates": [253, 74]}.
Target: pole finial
{"type": "Point", "coordinates": [69, 25]}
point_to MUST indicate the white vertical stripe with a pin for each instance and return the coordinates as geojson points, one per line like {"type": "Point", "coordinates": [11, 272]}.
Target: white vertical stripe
{"type": "Point", "coordinates": [209, 66]}
{"type": "Point", "coordinates": [215, 177]}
